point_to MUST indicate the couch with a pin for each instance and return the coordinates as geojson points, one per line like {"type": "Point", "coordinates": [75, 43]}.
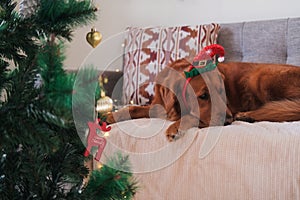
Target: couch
{"type": "Point", "coordinates": [241, 161]}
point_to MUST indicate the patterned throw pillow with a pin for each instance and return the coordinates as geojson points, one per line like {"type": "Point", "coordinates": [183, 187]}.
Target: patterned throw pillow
{"type": "Point", "coordinates": [148, 50]}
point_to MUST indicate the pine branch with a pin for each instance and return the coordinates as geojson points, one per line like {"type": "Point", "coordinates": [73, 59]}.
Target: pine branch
{"type": "Point", "coordinates": [59, 17]}
{"type": "Point", "coordinates": [111, 182]}
{"type": "Point", "coordinates": [3, 78]}
{"type": "Point", "coordinates": [12, 28]}
{"type": "Point", "coordinates": [55, 83]}
{"type": "Point", "coordinates": [86, 91]}
{"type": "Point", "coordinates": [63, 164]}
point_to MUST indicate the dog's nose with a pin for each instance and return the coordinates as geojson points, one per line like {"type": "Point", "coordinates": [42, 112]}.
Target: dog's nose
{"type": "Point", "coordinates": [229, 119]}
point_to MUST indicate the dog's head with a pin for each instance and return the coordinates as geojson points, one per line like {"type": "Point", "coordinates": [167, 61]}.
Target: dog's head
{"type": "Point", "coordinates": [204, 96]}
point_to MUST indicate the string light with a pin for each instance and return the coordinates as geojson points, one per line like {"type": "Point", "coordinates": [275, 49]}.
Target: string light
{"type": "Point", "coordinates": [106, 134]}
{"type": "Point", "coordinates": [98, 165]}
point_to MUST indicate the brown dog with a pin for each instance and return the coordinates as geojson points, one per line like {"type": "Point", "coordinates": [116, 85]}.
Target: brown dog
{"type": "Point", "coordinates": [254, 92]}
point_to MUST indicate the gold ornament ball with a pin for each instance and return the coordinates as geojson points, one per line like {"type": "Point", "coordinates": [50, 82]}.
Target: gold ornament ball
{"type": "Point", "coordinates": [104, 105]}
{"type": "Point", "coordinates": [93, 37]}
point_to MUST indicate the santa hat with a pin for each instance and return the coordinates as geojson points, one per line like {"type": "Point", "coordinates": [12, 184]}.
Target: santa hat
{"type": "Point", "coordinates": [207, 53]}
{"type": "Point", "coordinates": [210, 51]}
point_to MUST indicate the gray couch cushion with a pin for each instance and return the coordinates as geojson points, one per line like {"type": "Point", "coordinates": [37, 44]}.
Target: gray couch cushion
{"type": "Point", "coordinates": [293, 41]}
{"type": "Point", "coordinates": [230, 37]}
{"type": "Point", "coordinates": [269, 41]}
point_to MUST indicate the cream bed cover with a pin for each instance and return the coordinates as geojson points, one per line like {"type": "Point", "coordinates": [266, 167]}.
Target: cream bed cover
{"type": "Point", "coordinates": [239, 161]}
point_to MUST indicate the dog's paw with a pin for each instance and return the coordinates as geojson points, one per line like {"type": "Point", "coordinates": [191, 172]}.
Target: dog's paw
{"type": "Point", "coordinates": [173, 133]}
{"type": "Point", "coordinates": [244, 116]}
{"type": "Point", "coordinates": [109, 118]}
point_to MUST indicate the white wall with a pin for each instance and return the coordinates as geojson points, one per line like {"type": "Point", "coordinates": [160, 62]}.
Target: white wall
{"type": "Point", "coordinates": [115, 15]}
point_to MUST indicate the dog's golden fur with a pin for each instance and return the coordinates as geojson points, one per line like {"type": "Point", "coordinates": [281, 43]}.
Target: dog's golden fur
{"type": "Point", "coordinates": [254, 92]}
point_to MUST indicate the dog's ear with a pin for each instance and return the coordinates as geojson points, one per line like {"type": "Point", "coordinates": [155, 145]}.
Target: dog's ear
{"type": "Point", "coordinates": [180, 65]}
{"type": "Point", "coordinates": [166, 97]}
{"type": "Point", "coordinates": [222, 75]}
{"type": "Point", "coordinates": [169, 83]}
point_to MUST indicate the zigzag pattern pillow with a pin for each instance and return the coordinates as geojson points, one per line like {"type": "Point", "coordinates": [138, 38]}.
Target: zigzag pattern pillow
{"type": "Point", "coordinates": [148, 50]}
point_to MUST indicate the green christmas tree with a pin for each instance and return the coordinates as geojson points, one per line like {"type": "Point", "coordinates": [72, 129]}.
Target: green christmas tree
{"type": "Point", "coordinates": [41, 153]}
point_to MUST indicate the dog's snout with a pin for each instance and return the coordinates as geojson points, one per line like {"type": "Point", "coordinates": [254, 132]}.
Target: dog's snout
{"type": "Point", "coordinates": [227, 122]}
{"type": "Point", "coordinates": [229, 118]}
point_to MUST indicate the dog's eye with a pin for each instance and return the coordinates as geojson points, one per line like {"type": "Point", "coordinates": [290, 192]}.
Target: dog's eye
{"type": "Point", "coordinates": [204, 96]}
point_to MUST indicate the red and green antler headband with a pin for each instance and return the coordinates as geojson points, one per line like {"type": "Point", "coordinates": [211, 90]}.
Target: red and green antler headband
{"type": "Point", "coordinates": [203, 58]}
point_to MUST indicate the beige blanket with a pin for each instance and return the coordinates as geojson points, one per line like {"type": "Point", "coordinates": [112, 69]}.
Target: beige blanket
{"type": "Point", "coordinates": [240, 161]}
